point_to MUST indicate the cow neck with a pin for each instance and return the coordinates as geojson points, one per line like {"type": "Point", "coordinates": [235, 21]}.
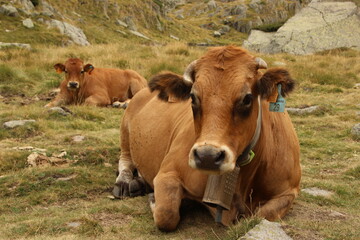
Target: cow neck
{"type": "Point", "coordinates": [247, 155]}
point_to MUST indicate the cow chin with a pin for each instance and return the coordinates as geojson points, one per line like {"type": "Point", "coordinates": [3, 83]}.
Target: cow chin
{"type": "Point", "coordinates": [204, 161]}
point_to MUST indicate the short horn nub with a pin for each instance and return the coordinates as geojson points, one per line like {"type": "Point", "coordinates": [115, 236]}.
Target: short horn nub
{"type": "Point", "coordinates": [189, 73]}
{"type": "Point", "coordinates": [261, 64]}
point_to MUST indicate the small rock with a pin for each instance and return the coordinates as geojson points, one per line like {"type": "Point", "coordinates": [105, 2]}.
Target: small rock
{"type": "Point", "coordinates": [27, 148]}
{"type": "Point", "coordinates": [18, 45]}
{"type": "Point", "coordinates": [121, 23]}
{"type": "Point", "coordinates": [131, 25]}
{"type": "Point", "coordinates": [74, 224]}
{"type": "Point", "coordinates": [179, 16]}
{"type": "Point", "coordinates": [28, 23]}
{"type": "Point", "coordinates": [107, 164]}
{"type": "Point", "coordinates": [67, 178]}
{"type": "Point", "coordinates": [16, 123]}
{"type": "Point", "coordinates": [59, 110]}
{"type": "Point", "coordinates": [217, 34]}
{"type": "Point", "coordinates": [317, 192]}
{"type": "Point", "coordinates": [336, 214]}
{"type": "Point", "coordinates": [62, 154]}
{"type": "Point", "coordinates": [357, 86]}
{"type": "Point", "coordinates": [302, 111]}
{"type": "Point", "coordinates": [279, 64]}
{"type": "Point", "coordinates": [139, 34]}
{"type": "Point", "coordinates": [355, 131]}
{"type": "Point", "coordinates": [36, 159]}
{"type": "Point", "coordinates": [78, 138]}
{"type": "Point", "coordinates": [224, 29]}
{"type": "Point", "coordinates": [111, 197]}
{"type": "Point", "coordinates": [122, 32]}
{"type": "Point", "coordinates": [174, 37]}
{"type": "Point", "coordinates": [266, 230]}
{"type": "Point", "coordinates": [211, 5]}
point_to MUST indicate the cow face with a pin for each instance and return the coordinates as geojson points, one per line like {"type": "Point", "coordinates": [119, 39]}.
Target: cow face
{"type": "Point", "coordinates": [74, 70]}
{"type": "Point", "coordinates": [226, 89]}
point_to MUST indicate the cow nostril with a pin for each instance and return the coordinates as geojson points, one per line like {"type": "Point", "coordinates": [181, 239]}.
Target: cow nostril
{"type": "Point", "coordinates": [196, 157]}
{"type": "Point", "coordinates": [73, 84]}
{"type": "Point", "coordinates": [206, 157]}
{"type": "Point", "coordinates": [220, 158]}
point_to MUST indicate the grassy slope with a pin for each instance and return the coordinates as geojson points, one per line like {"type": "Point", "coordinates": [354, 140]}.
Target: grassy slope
{"type": "Point", "coordinates": [36, 204]}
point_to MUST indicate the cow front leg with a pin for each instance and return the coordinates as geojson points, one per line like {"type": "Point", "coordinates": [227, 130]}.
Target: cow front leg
{"type": "Point", "coordinates": [125, 176]}
{"type": "Point", "coordinates": [165, 206]}
{"type": "Point", "coordinates": [276, 208]}
{"type": "Point", "coordinates": [97, 100]}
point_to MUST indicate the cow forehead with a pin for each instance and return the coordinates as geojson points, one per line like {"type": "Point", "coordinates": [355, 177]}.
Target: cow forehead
{"type": "Point", "coordinates": [227, 70]}
{"type": "Point", "coordinates": [74, 64]}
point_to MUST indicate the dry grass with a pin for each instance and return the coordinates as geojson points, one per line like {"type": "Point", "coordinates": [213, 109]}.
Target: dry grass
{"type": "Point", "coordinates": [35, 204]}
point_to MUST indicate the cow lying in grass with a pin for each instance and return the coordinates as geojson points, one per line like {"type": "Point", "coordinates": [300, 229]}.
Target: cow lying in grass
{"type": "Point", "coordinates": [209, 121]}
{"type": "Point", "coordinates": [95, 86]}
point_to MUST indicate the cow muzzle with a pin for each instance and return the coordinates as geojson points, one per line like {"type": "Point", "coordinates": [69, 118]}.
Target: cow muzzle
{"type": "Point", "coordinates": [73, 85]}
{"type": "Point", "coordinates": [211, 158]}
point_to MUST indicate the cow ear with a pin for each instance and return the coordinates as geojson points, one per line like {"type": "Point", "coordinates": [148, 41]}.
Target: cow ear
{"type": "Point", "coordinates": [267, 84]}
{"type": "Point", "coordinates": [172, 87]}
{"type": "Point", "coordinates": [59, 67]}
{"type": "Point", "coordinates": [88, 68]}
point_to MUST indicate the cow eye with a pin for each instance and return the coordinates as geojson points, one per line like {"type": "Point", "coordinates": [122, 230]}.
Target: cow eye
{"type": "Point", "coordinates": [247, 99]}
{"type": "Point", "coordinates": [193, 98]}
{"type": "Point", "coordinates": [82, 71]}
{"type": "Point", "coordinates": [195, 104]}
{"type": "Point", "coordinates": [65, 71]}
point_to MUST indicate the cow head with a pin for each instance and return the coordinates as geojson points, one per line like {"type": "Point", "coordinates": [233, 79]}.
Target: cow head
{"type": "Point", "coordinates": [74, 70]}
{"type": "Point", "coordinates": [226, 89]}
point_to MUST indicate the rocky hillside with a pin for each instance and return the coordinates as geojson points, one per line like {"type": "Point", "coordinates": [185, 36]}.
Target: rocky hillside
{"type": "Point", "coordinates": [86, 22]}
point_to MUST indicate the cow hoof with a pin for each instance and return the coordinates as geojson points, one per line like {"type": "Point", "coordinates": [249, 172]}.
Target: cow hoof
{"type": "Point", "coordinates": [121, 190]}
{"type": "Point", "coordinates": [137, 187]}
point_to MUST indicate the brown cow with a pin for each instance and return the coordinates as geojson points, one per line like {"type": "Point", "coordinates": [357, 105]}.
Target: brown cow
{"type": "Point", "coordinates": [95, 86]}
{"type": "Point", "coordinates": [207, 121]}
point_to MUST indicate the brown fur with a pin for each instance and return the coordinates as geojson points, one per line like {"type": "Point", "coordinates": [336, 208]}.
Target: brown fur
{"type": "Point", "coordinates": [158, 138]}
{"type": "Point", "coordinates": [96, 86]}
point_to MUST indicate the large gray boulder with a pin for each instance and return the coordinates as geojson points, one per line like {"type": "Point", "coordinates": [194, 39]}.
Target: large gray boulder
{"type": "Point", "coordinates": [9, 10]}
{"type": "Point", "coordinates": [318, 27]}
{"type": "Point", "coordinates": [75, 34]}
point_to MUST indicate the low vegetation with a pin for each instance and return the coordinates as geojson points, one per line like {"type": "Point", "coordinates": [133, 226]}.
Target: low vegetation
{"type": "Point", "coordinates": [70, 200]}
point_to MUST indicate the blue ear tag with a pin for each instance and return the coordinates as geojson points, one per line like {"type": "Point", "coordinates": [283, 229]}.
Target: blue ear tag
{"type": "Point", "coordinates": [279, 105]}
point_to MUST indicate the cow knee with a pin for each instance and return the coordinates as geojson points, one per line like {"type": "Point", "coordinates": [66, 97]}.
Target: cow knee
{"type": "Point", "coordinates": [276, 208]}
{"type": "Point", "coordinates": [166, 219]}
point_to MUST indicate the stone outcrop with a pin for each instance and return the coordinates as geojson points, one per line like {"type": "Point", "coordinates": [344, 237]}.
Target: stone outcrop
{"type": "Point", "coordinates": [26, 6]}
{"type": "Point", "coordinates": [318, 27]}
{"type": "Point", "coordinates": [75, 34]}
{"type": "Point", "coordinates": [9, 10]}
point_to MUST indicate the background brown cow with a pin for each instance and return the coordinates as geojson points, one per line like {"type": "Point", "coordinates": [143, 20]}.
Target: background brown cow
{"type": "Point", "coordinates": [207, 122]}
{"type": "Point", "coordinates": [95, 86]}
